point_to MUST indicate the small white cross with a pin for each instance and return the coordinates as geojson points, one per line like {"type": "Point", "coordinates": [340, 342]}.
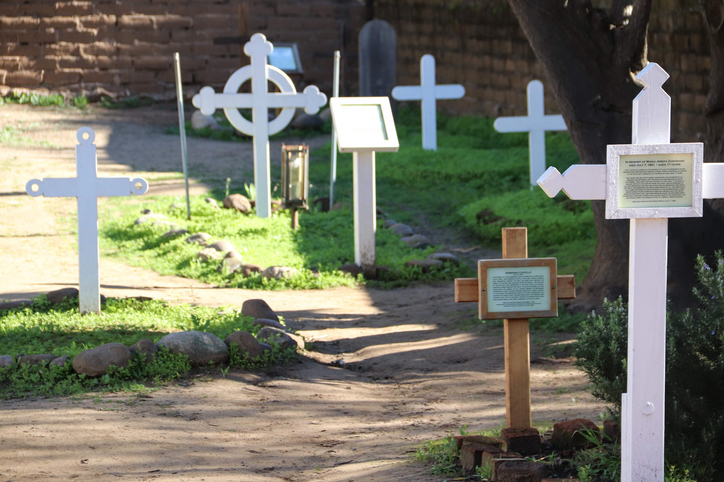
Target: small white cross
{"type": "Point", "coordinates": [259, 101]}
{"type": "Point", "coordinates": [87, 187]}
{"type": "Point", "coordinates": [428, 92]}
{"type": "Point", "coordinates": [536, 124]}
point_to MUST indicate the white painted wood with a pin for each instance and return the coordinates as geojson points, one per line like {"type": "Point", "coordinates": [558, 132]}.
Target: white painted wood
{"type": "Point", "coordinates": [713, 180]}
{"type": "Point", "coordinates": [87, 187]}
{"type": "Point", "coordinates": [536, 123]}
{"type": "Point", "coordinates": [364, 124]}
{"type": "Point", "coordinates": [365, 210]}
{"type": "Point", "coordinates": [428, 92]}
{"type": "Point", "coordinates": [259, 101]}
{"type": "Point", "coordinates": [652, 108]}
{"type": "Point", "coordinates": [182, 129]}
{"type": "Point", "coordinates": [580, 181]}
{"type": "Point", "coordinates": [335, 93]}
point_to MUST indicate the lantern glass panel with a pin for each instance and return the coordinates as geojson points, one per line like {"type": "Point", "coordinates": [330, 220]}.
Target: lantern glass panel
{"type": "Point", "coordinates": [295, 174]}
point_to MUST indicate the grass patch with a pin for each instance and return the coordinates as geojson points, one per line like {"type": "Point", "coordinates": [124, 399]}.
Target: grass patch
{"type": "Point", "coordinates": [61, 330]}
{"type": "Point", "coordinates": [34, 99]}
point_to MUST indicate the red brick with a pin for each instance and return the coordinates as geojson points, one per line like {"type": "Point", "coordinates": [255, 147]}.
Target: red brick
{"type": "Point", "coordinates": [524, 440]}
{"type": "Point", "coordinates": [567, 435]}
{"type": "Point", "coordinates": [61, 77]}
{"type": "Point", "coordinates": [135, 21]}
{"type": "Point", "coordinates": [19, 22]}
{"type": "Point", "coordinates": [74, 8]}
{"type": "Point", "coordinates": [23, 78]}
{"type": "Point", "coordinates": [173, 21]}
{"type": "Point", "coordinates": [97, 21]}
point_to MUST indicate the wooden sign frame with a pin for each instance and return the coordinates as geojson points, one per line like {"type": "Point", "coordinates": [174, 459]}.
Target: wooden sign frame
{"type": "Point", "coordinates": [350, 134]}
{"type": "Point", "coordinates": [489, 310]}
{"type": "Point", "coordinates": [692, 154]}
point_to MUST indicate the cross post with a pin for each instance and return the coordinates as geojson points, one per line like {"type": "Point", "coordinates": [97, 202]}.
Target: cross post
{"type": "Point", "coordinates": [260, 100]}
{"type": "Point", "coordinates": [516, 330]}
{"type": "Point", "coordinates": [428, 92]}
{"type": "Point", "coordinates": [535, 124]}
{"type": "Point", "coordinates": [631, 184]}
{"type": "Point", "coordinates": [87, 187]}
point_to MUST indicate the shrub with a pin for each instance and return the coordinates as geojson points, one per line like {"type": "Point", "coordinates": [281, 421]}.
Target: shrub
{"type": "Point", "coordinates": [695, 366]}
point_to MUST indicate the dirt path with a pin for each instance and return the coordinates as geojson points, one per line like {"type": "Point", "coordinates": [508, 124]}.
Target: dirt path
{"type": "Point", "coordinates": [389, 370]}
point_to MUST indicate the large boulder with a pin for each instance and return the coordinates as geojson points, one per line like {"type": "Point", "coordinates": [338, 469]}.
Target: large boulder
{"type": "Point", "coordinates": [417, 241]}
{"type": "Point", "coordinates": [201, 348]}
{"type": "Point", "coordinates": [57, 296]}
{"type": "Point", "coordinates": [246, 343]}
{"type": "Point", "coordinates": [208, 254]}
{"type": "Point", "coordinates": [401, 230]}
{"type": "Point", "coordinates": [96, 361]}
{"type": "Point", "coordinates": [258, 309]}
{"type": "Point", "coordinates": [13, 305]}
{"type": "Point", "coordinates": [237, 202]}
{"type": "Point", "coordinates": [200, 120]}
{"type": "Point", "coordinates": [250, 269]}
{"type": "Point", "coordinates": [268, 322]}
{"type": "Point", "coordinates": [6, 361]}
{"type": "Point", "coordinates": [222, 246]}
{"type": "Point", "coordinates": [230, 265]}
{"type": "Point", "coordinates": [36, 359]}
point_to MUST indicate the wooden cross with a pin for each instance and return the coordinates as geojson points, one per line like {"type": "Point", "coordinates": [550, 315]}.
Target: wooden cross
{"type": "Point", "coordinates": [428, 92]}
{"type": "Point", "coordinates": [516, 333]}
{"type": "Point", "coordinates": [631, 184]}
{"type": "Point", "coordinates": [535, 124]}
{"type": "Point", "coordinates": [260, 100]}
{"type": "Point", "coordinates": [87, 187]}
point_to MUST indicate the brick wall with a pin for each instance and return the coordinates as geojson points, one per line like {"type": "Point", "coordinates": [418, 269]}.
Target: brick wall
{"type": "Point", "coordinates": [118, 47]}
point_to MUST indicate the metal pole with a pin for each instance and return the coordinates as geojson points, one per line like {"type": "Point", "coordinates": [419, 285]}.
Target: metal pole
{"type": "Point", "coordinates": [335, 93]}
{"type": "Point", "coordinates": [182, 129]}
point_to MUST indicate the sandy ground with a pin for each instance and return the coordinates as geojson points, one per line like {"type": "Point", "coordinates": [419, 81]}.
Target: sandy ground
{"type": "Point", "coordinates": [388, 370]}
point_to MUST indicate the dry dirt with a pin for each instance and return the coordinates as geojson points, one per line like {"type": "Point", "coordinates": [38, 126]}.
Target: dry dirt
{"type": "Point", "coordinates": [389, 369]}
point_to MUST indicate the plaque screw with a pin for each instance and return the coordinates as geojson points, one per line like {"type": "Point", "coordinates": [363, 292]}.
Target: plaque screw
{"type": "Point", "coordinates": [648, 408]}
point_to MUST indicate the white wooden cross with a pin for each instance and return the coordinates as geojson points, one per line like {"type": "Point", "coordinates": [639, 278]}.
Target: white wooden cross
{"type": "Point", "coordinates": [631, 184]}
{"type": "Point", "coordinates": [259, 101]}
{"type": "Point", "coordinates": [535, 124]}
{"type": "Point", "coordinates": [428, 92]}
{"type": "Point", "coordinates": [87, 187]}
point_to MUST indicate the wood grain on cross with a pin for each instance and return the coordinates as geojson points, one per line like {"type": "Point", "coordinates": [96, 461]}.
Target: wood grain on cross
{"type": "Point", "coordinates": [516, 331]}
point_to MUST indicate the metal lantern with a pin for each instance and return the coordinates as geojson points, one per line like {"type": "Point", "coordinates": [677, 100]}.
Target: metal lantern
{"type": "Point", "coordinates": [295, 179]}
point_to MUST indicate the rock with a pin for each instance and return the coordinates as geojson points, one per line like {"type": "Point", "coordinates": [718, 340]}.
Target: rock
{"type": "Point", "coordinates": [519, 471]}
{"type": "Point", "coordinates": [306, 121]}
{"type": "Point", "coordinates": [567, 435]}
{"type": "Point", "coordinates": [6, 361]}
{"type": "Point", "coordinates": [174, 233]}
{"type": "Point", "coordinates": [222, 246]}
{"type": "Point", "coordinates": [388, 223]}
{"type": "Point", "coordinates": [230, 265]}
{"type": "Point", "coordinates": [246, 343]}
{"type": "Point", "coordinates": [265, 346]}
{"type": "Point", "coordinates": [250, 269]}
{"type": "Point", "coordinates": [279, 272]}
{"type": "Point", "coordinates": [326, 115]}
{"type": "Point", "coordinates": [155, 217]}
{"type": "Point", "coordinates": [144, 349]}
{"type": "Point", "coordinates": [207, 254]}
{"type": "Point", "coordinates": [425, 264]}
{"type": "Point", "coordinates": [202, 121]}
{"type": "Point", "coordinates": [36, 359]}
{"type": "Point", "coordinates": [281, 337]}
{"type": "Point", "coordinates": [268, 322]}
{"type": "Point", "coordinates": [238, 202]}
{"type": "Point", "coordinates": [96, 361]}
{"type": "Point", "coordinates": [612, 430]}
{"type": "Point", "coordinates": [59, 361]}
{"type": "Point", "coordinates": [201, 348]}
{"type": "Point", "coordinates": [198, 238]}
{"type": "Point", "coordinates": [444, 257]}
{"type": "Point", "coordinates": [233, 254]}
{"type": "Point", "coordinates": [14, 305]}
{"type": "Point", "coordinates": [258, 309]}
{"type": "Point", "coordinates": [524, 440]}
{"type": "Point", "coordinates": [417, 241]}
{"type": "Point", "coordinates": [56, 297]}
{"type": "Point", "coordinates": [211, 201]}
{"type": "Point", "coordinates": [401, 230]}
{"type": "Point", "coordinates": [351, 268]}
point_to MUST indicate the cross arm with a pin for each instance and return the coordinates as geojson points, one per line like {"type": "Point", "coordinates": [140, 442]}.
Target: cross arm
{"type": "Point", "coordinates": [311, 99]}
{"type": "Point", "coordinates": [466, 289]}
{"type": "Point", "coordinates": [407, 92]}
{"type": "Point", "coordinates": [207, 100]}
{"type": "Point", "coordinates": [53, 187]}
{"type": "Point", "coordinates": [580, 181]}
{"type": "Point", "coordinates": [121, 186]}
{"type": "Point", "coordinates": [451, 91]}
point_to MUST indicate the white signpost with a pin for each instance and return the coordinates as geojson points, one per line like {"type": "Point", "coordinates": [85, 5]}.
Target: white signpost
{"type": "Point", "coordinates": [260, 100]}
{"type": "Point", "coordinates": [364, 125]}
{"type": "Point", "coordinates": [87, 187]}
{"type": "Point", "coordinates": [428, 92]}
{"type": "Point", "coordinates": [535, 124]}
{"type": "Point", "coordinates": [647, 182]}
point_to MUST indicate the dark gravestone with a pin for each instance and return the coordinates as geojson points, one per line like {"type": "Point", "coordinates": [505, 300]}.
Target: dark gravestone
{"type": "Point", "coordinates": [377, 60]}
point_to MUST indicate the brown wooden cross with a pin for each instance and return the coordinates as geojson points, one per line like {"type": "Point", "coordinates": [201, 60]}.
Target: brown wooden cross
{"type": "Point", "coordinates": [516, 334]}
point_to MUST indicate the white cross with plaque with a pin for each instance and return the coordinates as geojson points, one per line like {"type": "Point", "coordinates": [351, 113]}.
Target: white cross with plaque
{"type": "Point", "coordinates": [646, 182]}
{"type": "Point", "coordinates": [260, 100]}
{"type": "Point", "coordinates": [535, 124]}
{"type": "Point", "coordinates": [428, 92]}
{"type": "Point", "coordinates": [87, 187]}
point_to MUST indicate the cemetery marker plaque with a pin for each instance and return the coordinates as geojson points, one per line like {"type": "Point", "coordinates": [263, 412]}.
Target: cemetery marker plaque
{"type": "Point", "coordinates": [260, 100]}
{"type": "Point", "coordinates": [364, 125]}
{"type": "Point", "coordinates": [516, 288]}
{"type": "Point", "coordinates": [535, 124]}
{"type": "Point", "coordinates": [428, 92]}
{"type": "Point", "coordinates": [87, 187]}
{"type": "Point", "coordinates": [669, 180]}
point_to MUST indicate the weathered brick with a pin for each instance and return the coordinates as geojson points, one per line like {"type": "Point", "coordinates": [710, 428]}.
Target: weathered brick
{"type": "Point", "coordinates": [73, 8]}
{"type": "Point", "coordinates": [135, 21]}
{"type": "Point", "coordinates": [19, 22]}
{"type": "Point", "coordinates": [132, 36]}
{"type": "Point", "coordinates": [169, 76]}
{"type": "Point", "coordinates": [117, 62]}
{"type": "Point", "coordinates": [519, 471]}
{"type": "Point", "coordinates": [97, 21]}
{"type": "Point", "coordinates": [98, 48]}
{"type": "Point", "coordinates": [173, 21]}
{"type": "Point", "coordinates": [293, 10]}
{"type": "Point", "coordinates": [524, 440]}
{"type": "Point", "coordinates": [213, 77]}
{"type": "Point", "coordinates": [115, 8]}
{"type": "Point", "coordinates": [21, 50]}
{"type": "Point", "coordinates": [59, 22]}
{"type": "Point", "coordinates": [77, 36]}
{"type": "Point", "coordinates": [61, 49]}
{"type": "Point", "coordinates": [34, 9]}
{"type": "Point", "coordinates": [157, 62]}
{"type": "Point", "coordinates": [3, 75]}
{"type": "Point", "coordinates": [146, 88]}
{"type": "Point", "coordinates": [24, 78]}
{"type": "Point", "coordinates": [76, 63]}
{"type": "Point", "coordinates": [61, 77]}
{"type": "Point", "coordinates": [99, 76]}
{"type": "Point", "coordinates": [142, 76]}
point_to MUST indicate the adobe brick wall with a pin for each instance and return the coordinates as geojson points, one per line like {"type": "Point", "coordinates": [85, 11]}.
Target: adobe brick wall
{"type": "Point", "coordinates": [480, 45]}
{"type": "Point", "coordinates": [126, 47]}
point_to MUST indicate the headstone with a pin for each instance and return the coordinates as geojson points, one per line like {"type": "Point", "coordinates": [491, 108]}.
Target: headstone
{"type": "Point", "coordinates": [428, 92]}
{"type": "Point", "coordinates": [535, 124]}
{"type": "Point", "coordinates": [260, 100]}
{"type": "Point", "coordinates": [647, 182]}
{"type": "Point", "coordinates": [87, 187]}
{"type": "Point", "coordinates": [377, 59]}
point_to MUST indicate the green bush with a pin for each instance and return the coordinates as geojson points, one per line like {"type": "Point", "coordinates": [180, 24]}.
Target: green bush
{"type": "Point", "coordinates": [694, 369]}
